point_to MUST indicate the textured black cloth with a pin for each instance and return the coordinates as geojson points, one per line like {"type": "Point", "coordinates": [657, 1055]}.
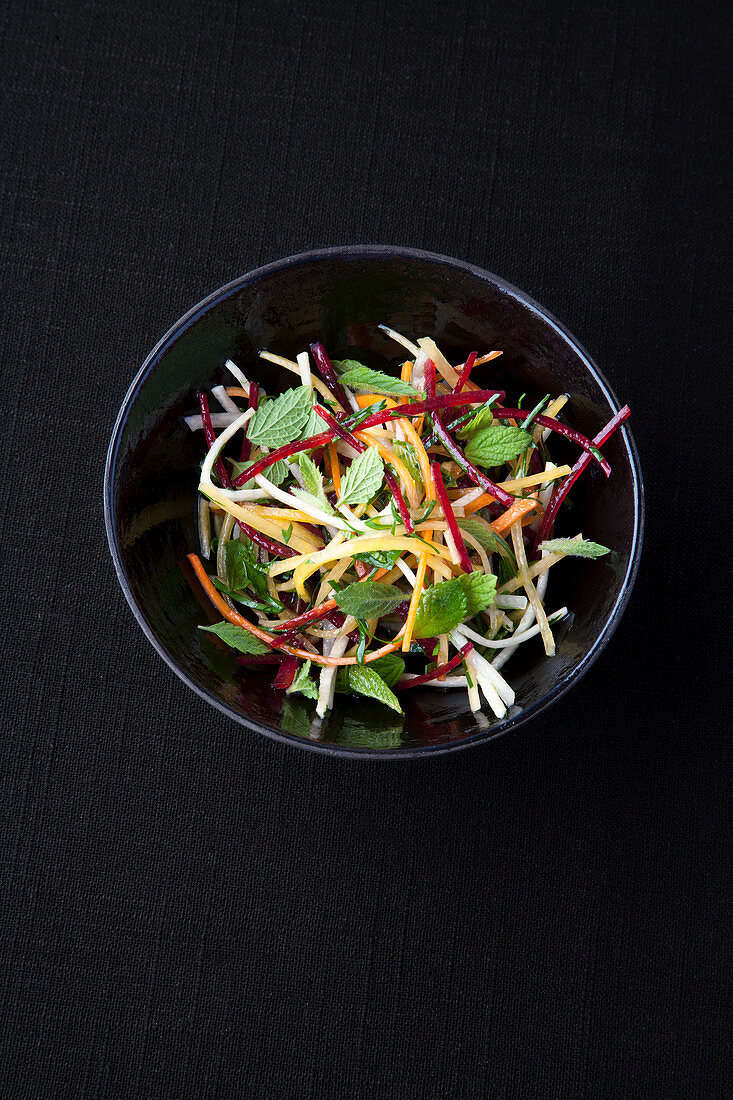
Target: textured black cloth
{"type": "Point", "coordinates": [194, 911]}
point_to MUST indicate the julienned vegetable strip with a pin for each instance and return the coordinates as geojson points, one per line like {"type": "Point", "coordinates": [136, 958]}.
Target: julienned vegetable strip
{"type": "Point", "coordinates": [476, 476]}
{"type": "Point", "coordinates": [440, 670]}
{"type": "Point", "coordinates": [329, 375]}
{"type": "Point", "coordinates": [465, 373]}
{"type": "Point", "coordinates": [270, 639]}
{"type": "Point", "coordinates": [561, 429]}
{"type": "Point", "coordinates": [351, 439]}
{"type": "Point", "coordinates": [450, 518]}
{"type": "Point", "coordinates": [210, 435]}
{"type": "Point", "coordinates": [447, 401]}
{"type": "Point", "coordinates": [562, 490]}
{"type": "Point", "coordinates": [254, 401]}
{"type": "Point", "coordinates": [386, 523]}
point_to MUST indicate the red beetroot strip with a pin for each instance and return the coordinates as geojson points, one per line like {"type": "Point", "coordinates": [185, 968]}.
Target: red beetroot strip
{"type": "Point", "coordinates": [476, 476]}
{"type": "Point", "coordinates": [560, 428]}
{"type": "Point", "coordinates": [219, 466]}
{"type": "Point", "coordinates": [465, 373]}
{"type": "Point", "coordinates": [286, 673]}
{"type": "Point", "coordinates": [561, 491]}
{"type": "Point", "coordinates": [328, 374]}
{"type": "Point", "coordinates": [389, 477]}
{"type": "Point", "coordinates": [254, 401]}
{"type": "Point", "coordinates": [450, 517]}
{"type": "Point", "coordinates": [441, 670]}
{"type": "Point", "coordinates": [447, 401]}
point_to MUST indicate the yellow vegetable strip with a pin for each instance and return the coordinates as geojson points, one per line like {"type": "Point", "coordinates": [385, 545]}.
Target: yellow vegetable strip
{"type": "Point", "coordinates": [288, 364]}
{"type": "Point", "coordinates": [529, 588]}
{"type": "Point", "coordinates": [431, 350]}
{"type": "Point", "coordinates": [300, 539]}
{"type": "Point", "coordinates": [361, 545]}
{"type": "Point", "coordinates": [416, 593]}
{"type": "Point", "coordinates": [286, 514]}
{"type": "Point", "coordinates": [536, 569]}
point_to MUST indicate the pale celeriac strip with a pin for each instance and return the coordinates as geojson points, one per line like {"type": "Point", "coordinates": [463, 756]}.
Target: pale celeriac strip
{"type": "Point", "coordinates": [396, 336]}
{"type": "Point", "coordinates": [205, 527]}
{"type": "Point", "coordinates": [526, 581]}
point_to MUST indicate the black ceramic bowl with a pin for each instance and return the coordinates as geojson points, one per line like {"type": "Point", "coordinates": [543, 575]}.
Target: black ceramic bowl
{"type": "Point", "coordinates": [339, 296]}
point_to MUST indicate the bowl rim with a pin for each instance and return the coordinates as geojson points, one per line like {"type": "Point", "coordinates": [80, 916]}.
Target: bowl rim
{"type": "Point", "coordinates": [357, 252]}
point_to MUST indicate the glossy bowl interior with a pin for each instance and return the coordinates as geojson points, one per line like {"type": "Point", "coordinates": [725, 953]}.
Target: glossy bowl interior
{"type": "Point", "coordinates": [339, 296]}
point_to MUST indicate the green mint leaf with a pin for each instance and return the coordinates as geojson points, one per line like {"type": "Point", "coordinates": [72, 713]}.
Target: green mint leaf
{"type": "Point", "coordinates": [244, 571]}
{"type": "Point", "coordinates": [268, 604]}
{"type": "Point", "coordinates": [484, 418]}
{"type": "Point", "coordinates": [363, 680]}
{"type": "Point", "coordinates": [481, 531]}
{"type": "Point", "coordinates": [281, 420]}
{"type": "Point", "coordinates": [313, 426]}
{"type": "Point", "coordinates": [313, 479]}
{"type": "Point", "coordinates": [390, 667]}
{"type": "Point", "coordinates": [442, 607]}
{"type": "Point", "coordinates": [275, 473]}
{"type": "Point", "coordinates": [303, 683]}
{"type": "Point", "coordinates": [369, 599]}
{"type": "Point", "coordinates": [363, 478]}
{"type": "Point", "coordinates": [286, 532]}
{"type": "Point", "coordinates": [376, 381]}
{"type": "Point", "coordinates": [479, 589]}
{"type": "Point", "coordinates": [496, 445]}
{"type": "Point", "coordinates": [236, 637]}
{"type": "Point", "coordinates": [576, 548]}
{"type": "Point", "coordinates": [342, 365]}
{"type": "Point", "coordinates": [380, 559]}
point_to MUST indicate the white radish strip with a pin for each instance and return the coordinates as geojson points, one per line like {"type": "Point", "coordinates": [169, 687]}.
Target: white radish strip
{"type": "Point", "coordinates": [406, 571]}
{"type": "Point", "coordinates": [417, 378]}
{"type": "Point", "coordinates": [537, 569]}
{"type": "Point", "coordinates": [485, 672]}
{"type": "Point", "coordinates": [526, 580]}
{"type": "Point", "coordinates": [474, 698]}
{"type": "Point", "coordinates": [218, 420]}
{"type": "Point", "coordinates": [225, 400]}
{"type": "Point", "coordinates": [297, 502]}
{"type": "Point", "coordinates": [413, 348]}
{"type": "Point", "coordinates": [205, 527]}
{"type": "Point", "coordinates": [327, 681]}
{"type": "Point", "coordinates": [218, 446]}
{"type": "Point", "coordinates": [449, 542]}
{"type": "Point", "coordinates": [305, 370]}
{"type": "Point", "coordinates": [516, 639]}
{"type": "Point", "coordinates": [240, 377]}
{"type": "Point", "coordinates": [512, 603]}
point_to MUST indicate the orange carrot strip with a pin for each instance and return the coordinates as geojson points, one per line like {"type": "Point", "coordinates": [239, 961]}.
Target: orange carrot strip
{"type": "Point", "coordinates": [363, 400]}
{"type": "Point", "coordinates": [270, 639]}
{"type": "Point", "coordinates": [335, 468]}
{"type": "Point", "coordinates": [518, 510]}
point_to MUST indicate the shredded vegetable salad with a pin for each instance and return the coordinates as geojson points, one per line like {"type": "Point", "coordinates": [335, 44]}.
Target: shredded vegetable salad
{"type": "Point", "coordinates": [370, 534]}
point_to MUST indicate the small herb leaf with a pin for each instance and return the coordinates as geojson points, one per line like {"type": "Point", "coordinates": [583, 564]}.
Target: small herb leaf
{"type": "Point", "coordinates": [281, 420]}
{"type": "Point", "coordinates": [303, 683]}
{"type": "Point", "coordinates": [363, 680]}
{"type": "Point", "coordinates": [369, 599]}
{"type": "Point", "coordinates": [576, 548]}
{"type": "Point", "coordinates": [479, 590]}
{"type": "Point", "coordinates": [375, 381]}
{"type": "Point", "coordinates": [236, 637]}
{"type": "Point", "coordinates": [442, 607]}
{"type": "Point", "coordinates": [363, 479]}
{"type": "Point", "coordinates": [275, 473]}
{"type": "Point", "coordinates": [498, 444]}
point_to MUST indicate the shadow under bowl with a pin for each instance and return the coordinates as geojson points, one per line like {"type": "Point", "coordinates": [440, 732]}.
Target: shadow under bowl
{"type": "Point", "coordinates": [339, 296]}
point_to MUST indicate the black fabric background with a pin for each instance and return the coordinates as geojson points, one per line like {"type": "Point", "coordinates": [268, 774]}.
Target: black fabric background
{"type": "Point", "coordinates": [193, 911]}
